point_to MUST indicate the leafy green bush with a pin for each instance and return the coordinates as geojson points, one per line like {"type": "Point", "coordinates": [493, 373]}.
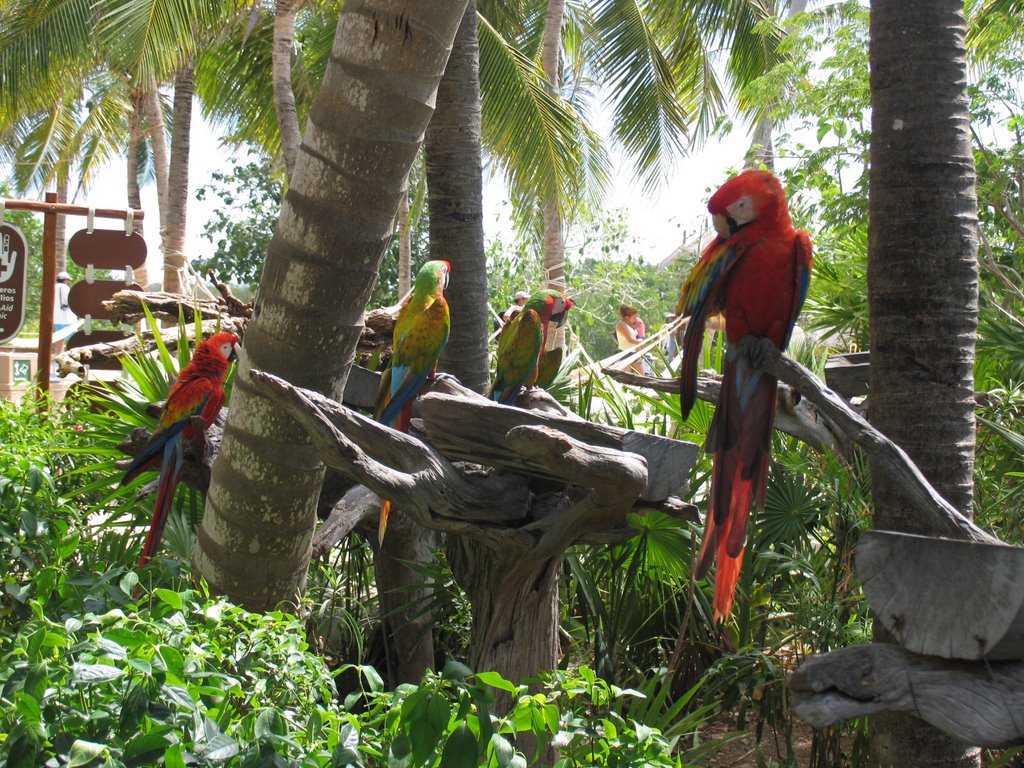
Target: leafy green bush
{"type": "Point", "coordinates": [183, 679]}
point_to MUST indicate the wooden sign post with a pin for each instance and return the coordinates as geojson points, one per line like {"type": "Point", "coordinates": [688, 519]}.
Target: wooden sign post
{"type": "Point", "coordinates": [51, 209]}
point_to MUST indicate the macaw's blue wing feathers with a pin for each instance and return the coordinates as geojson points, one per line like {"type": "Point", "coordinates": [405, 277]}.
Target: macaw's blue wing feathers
{"type": "Point", "coordinates": [701, 299]}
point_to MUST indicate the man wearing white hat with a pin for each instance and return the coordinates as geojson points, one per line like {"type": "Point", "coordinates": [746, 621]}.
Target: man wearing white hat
{"type": "Point", "coordinates": [515, 307]}
{"type": "Point", "coordinates": [62, 314]}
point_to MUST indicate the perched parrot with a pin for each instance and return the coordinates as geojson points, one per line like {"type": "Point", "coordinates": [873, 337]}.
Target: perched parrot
{"type": "Point", "coordinates": [756, 272]}
{"type": "Point", "coordinates": [522, 339]}
{"type": "Point", "coordinates": [197, 393]}
{"type": "Point", "coordinates": [421, 333]}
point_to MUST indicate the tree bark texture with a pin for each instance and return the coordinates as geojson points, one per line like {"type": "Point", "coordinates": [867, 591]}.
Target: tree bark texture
{"type": "Point", "coordinates": [363, 132]}
{"type": "Point", "coordinates": [455, 194]}
{"type": "Point", "coordinates": [157, 131]}
{"type": "Point", "coordinates": [980, 702]}
{"type": "Point", "coordinates": [285, 13]}
{"type": "Point", "coordinates": [554, 231]}
{"type": "Point", "coordinates": [135, 150]}
{"type": "Point", "coordinates": [922, 289]}
{"type": "Point", "coordinates": [175, 257]}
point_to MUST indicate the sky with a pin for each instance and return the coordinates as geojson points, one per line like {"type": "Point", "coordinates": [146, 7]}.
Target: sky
{"type": "Point", "coordinates": [658, 223]}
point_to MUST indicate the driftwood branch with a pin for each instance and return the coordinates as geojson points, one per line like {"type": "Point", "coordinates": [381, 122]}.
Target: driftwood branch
{"type": "Point", "coordinates": [127, 307]}
{"type": "Point", "coordinates": [429, 481]}
{"type": "Point", "coordinates": [979, 614]}
{"type": "Point", "coordinates": [77, 360]}
{"type": "Point", "coordinates": [937, 513]}
{"type": "Point", "coordinates": [397, 466]}
{"type": "Point", "coordinates": [885, 455]}
{"type": "Point", "coordinates": [793, 415]}
{"type": "Point", "coordinates": [977, 702]}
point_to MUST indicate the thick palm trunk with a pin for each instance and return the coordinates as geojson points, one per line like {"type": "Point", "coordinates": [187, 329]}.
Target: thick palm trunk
{"type": "Point", "coordinates": [455, 195]}
{"type": "Point", "coordinates": [922, 280]}
{"type": "Point", "coordinates": [363, 132]}
{"type": "Point", "coordinates": [175, 258]}
{"type": "Point", "coordinates": [285, 13]}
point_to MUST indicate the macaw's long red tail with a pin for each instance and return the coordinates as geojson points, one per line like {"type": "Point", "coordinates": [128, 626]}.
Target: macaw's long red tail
{"type": "Point", "coordinates": [740, 441]}
{"type": "Point", "coordinates": [169, 476]}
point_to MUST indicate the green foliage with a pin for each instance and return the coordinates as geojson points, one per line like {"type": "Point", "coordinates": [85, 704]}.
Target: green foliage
{"type": "Point", "coordinates": [41, 530]}
{"type": "Point", "coordinates": [242, 224]}
{"type": "Point", "coordinates": [453, 719]}
{"type": "Point", "coordinates": [180, 677]}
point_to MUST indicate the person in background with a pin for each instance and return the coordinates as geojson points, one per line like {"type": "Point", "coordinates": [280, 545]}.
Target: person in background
{"type": "Point", "coordinates": [62, 314]}
{"type": "Point", "coordinates": [629, 332]}
{"type": "Point", "coordinates": [515, 307]}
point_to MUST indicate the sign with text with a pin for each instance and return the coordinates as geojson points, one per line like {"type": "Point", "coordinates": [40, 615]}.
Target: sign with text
{"type": "Point", "coordinates": [13, 276]}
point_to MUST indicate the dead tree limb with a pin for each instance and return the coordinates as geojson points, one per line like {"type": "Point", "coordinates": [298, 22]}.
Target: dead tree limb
{"type": "Point", "coordinates": [977, 702]}
{"type": "Point", "coordinates": [76, 361]}
{"type": "Point", "coordinates": [559, 480]}
{"type": "Point", "coordinates": [884, 454]}
{"type": "Point", "coordinates": [793, 415]}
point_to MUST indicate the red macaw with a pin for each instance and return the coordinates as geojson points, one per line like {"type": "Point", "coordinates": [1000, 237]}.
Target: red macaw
{"type": "Point", "coordinates": [756, 272]}
{"type": "Point", "coordinates": [197, 392]}
{"type": "Point", "coordinates": [522, 339]}
{"type": "Point", "coordinates": [421, 333]}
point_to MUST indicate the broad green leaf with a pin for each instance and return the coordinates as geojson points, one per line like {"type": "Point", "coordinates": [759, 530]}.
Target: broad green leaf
{"type": "Point", "coordinates": [84, 752]}
{"type": "Point", "coordinates": [460, 751]}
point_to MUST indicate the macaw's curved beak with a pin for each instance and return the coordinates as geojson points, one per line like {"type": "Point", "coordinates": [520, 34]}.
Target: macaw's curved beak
{"type": "Point", "coordinates": [233, 355]}
{"type": "Point", "coordinates": [724, 226]}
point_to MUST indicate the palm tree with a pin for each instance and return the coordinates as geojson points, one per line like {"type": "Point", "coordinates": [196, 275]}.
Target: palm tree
{"type": "Point", "coordinates": [922, 276]}
{"type": "Point", "coordinates": [363, 132]}
{"type": "Point", "coordinates": [111, 51]}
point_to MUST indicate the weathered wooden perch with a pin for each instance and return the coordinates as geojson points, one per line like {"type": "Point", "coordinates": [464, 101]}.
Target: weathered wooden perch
{"type": "Point", "coordinates": [793, 415]}
{"type": "Point", "coordinates": [977, 702]}
{"type": "Point", "coordinates": [885, 455]}
{"type": "Point", "coordinates": [939, 597]}
{"type": "Point", "coordinates": [227, 314]}
{"type": "Point", "coordinates": [560, 481]}
{"type": "Point", "coordinates": [957, 610]}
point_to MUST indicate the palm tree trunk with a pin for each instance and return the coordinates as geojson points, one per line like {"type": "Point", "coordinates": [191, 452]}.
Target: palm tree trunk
{"type": "Point", "coordinates": [134, 152]}
{"type": "Point", "coordinates": [285, 13]}
{"type": "Point", "coordinates": [922, 288]}
{"type": "Point", "coordinates": [175, 258]}
{"type": "Point", "coordinates": [363, 132]}
{"type": "Point", "coordinates": [762, 149]}
{"type": "Point", "coordinates": [161, 159]}
{"type": "Point", "coordinates": [404, 246]}
{"type": "Point", "coordinates": [455, 194]}
{"type": "Point", "coordinates": [554, 233]}
{"type": "Point", "coordinates": [61, 232]}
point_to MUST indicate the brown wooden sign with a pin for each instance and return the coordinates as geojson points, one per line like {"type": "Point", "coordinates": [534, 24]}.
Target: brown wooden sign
{"type": "Point", "coordinates": [107, 249]}
{"type": "Point", "coordinates": [13, 275]}
{"type": "Point", "coordinates": [87, 298]}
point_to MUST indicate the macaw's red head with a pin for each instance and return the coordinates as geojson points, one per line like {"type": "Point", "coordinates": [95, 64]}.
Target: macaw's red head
{"type": "Point", "coordinates": [753, 196]}
{"type": "Point", "coordinates": [551, 305]}
{"type": "Point", "coordinates": [223, 344]}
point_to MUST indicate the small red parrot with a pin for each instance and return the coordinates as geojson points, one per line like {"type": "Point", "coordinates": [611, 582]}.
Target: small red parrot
{"type": "Point", "coordinates": [420, 336]}
{"type": "Point", "coordinates": [197, 392]}
{"type": "Point", "coordinates": [756, 272]}
{"type": "Point", "coordinates": [521, 341]}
